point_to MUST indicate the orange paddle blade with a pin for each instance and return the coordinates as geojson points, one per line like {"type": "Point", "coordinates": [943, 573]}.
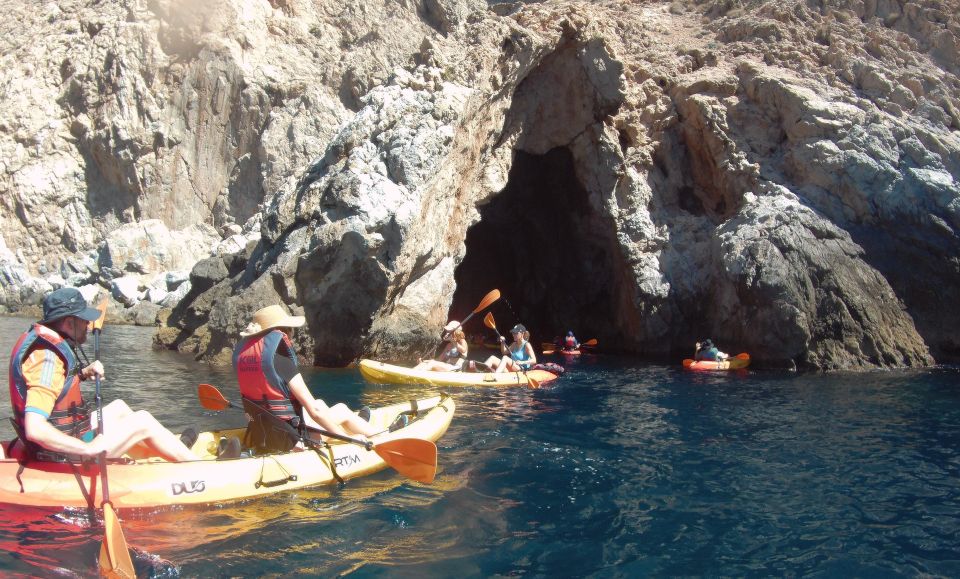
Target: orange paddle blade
{"type": "Point", "coordinates": [590, 342]}
{"type": "Point", "coordinates": [489, 322]}
{"type": "Point", "coordinates": [98, 323]}
{"type": "Point", "coordinates": [687, 362]}
{"type": "Point", "coordinates": [548, 352]}
{"type": "Point", "coordinates": [532, 383]}
{"type": "Point", "coordinates": [743, 356]}
{"type": "Point", "coordinates": [114, 556]}
{"type": "Point", "coordinates": [211, 398]}
{"type": "Point", "coordinates": [411, 457]}
{"type": "Point", "coordinates": [488, 299]}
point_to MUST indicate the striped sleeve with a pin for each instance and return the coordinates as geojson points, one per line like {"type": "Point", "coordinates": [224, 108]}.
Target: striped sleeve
{"type": "Point", "coordinates": [45, 375]}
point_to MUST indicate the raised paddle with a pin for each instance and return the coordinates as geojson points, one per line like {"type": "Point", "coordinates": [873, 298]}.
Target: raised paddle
{"type": "Point", "coordinates": [414, 458]}
{"type": "Point", "coordinates": [492, 296]}
{"type": "Point", "coordinates": [551, 348]}
{"type": "Point", "coordinates": [492, 324]}
{"type": "Point", "coordinates": [114, 556]}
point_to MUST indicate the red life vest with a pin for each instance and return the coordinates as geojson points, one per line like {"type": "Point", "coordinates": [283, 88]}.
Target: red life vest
{"type": "Point", "coordinates": [70, 414]}
{"type": "Point", "coordinates": [267, 391]}
{"type": "Point", "coordinates": [570, 342]}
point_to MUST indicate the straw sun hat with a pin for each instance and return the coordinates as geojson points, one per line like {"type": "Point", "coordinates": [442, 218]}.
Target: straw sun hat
{"type": "Point", "coordinates": [271, 317]}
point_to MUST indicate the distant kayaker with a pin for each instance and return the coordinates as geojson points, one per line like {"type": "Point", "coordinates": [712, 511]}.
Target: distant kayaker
{"type": "Point", "coordinates": [516, 357]}
{"type": "Point", "coordinates": [705, 350]}
{"type": "Point", "coordinates": [454, 352]}
{"type": "Point", "coordinates": [51, 417]}
{"type": "Point", "coordinates": [570, 342]}
{"type": "Point", "coordinates": [270, 382]}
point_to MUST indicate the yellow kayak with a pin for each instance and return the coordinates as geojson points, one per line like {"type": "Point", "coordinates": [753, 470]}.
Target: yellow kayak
{"type": "Point", "coordinates": [383, 373]}
{"type": "Point", "coordinates": [153, 482]}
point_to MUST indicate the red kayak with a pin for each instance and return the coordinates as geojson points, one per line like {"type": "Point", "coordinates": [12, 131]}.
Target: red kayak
{"type": "Point", "coordinates": [548, 349]}
{"type": "Point", "coordinates": [737, 362]}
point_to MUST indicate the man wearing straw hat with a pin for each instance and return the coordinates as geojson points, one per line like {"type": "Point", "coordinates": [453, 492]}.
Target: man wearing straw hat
{"type": "Point", "coordinates": [50, 414]}
{"type": "Point", "coordinates": [269, 378]}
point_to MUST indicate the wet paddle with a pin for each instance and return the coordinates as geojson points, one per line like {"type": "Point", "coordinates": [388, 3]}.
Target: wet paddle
{"type": "Point", "coordinates": [492, 324]}
{"type": "Point", "coordinates": [114, 555]}
{"type": "Point", "coordinates": [414, 458]}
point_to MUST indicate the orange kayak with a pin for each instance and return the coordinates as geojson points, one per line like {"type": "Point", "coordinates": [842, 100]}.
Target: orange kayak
{"type": "Point", "coordinates": [737, 362]}
{"type": "Point", "coordinates": [151, 482]}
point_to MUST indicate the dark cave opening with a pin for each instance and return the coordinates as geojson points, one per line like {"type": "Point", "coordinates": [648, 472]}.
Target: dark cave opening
{"type": "Point", "coordinates": [542, 245]}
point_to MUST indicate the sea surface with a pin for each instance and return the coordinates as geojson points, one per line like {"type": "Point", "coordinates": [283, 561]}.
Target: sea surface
{"type": "Point", "coordinates": [623, 469]}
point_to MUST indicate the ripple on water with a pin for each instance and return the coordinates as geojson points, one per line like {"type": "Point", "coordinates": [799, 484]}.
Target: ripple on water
{"type": "Point", "coordinates": [619, 470]}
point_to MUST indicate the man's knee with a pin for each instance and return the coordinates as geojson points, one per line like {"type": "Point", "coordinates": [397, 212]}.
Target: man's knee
{"type": "Point", "coordinates": [145, 420]}
{"type": "Point", "coordinates": [115, 410]}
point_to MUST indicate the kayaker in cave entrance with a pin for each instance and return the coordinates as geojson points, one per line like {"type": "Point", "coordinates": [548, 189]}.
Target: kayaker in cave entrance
{"type": "Point", "coordinates": [270, 382]}
{"type": "Point", "coordinates": [518, 356]}
{"type": "Point", "coordinates": [570, 342]}
{"type": "Point", "coordinates": [705, 350]}
{"type": "Point", "coordinates": [453, 355]}
{"type": "Point", "coordinates": [50, 415]}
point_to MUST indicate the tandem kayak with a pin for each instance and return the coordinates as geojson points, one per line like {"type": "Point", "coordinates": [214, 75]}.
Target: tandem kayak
{"type": "Point", "coordinates": [153, 482]}
{"type": "Point", "coordinates": [383, 373]}
{"type": "Point", "coordinates": [737, 362]}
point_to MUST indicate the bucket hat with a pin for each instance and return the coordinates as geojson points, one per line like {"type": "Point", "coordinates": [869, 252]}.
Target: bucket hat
{"type": "Point", "coordinates": [269, 318]}
{"type": "Point", "coordinates": [67, 301]}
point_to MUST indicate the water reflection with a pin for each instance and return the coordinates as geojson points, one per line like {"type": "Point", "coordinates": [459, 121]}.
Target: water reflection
{"type": "Point", "coordinates": [620, 469]}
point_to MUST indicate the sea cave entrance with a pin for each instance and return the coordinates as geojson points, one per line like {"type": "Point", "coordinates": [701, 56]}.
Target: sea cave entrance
{"type": "Point", "coordinates": [540, 242]}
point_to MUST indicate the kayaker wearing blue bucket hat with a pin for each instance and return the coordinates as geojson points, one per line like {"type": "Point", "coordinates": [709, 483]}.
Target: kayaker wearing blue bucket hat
{"type": "Point", "coordinates": [705, 350]}
{"type": "Point", "coordinates": [570, 342]}
{"type": "Point", "coordinates": [51, 418]}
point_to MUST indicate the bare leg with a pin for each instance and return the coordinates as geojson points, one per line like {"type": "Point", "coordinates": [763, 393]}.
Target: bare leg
{"type": "Point", "coordinates": [114, 411]}
{"type": "Point", "coordinates": [434, 365]}
{"type": "Point", "coordinates": [350, 421]}
{"type": "Point", "coordinates": [344, 418]}
{"type": "Point", "coordinates": [123, 433]}
{"type": "Point", "coordinates": [505, 364]}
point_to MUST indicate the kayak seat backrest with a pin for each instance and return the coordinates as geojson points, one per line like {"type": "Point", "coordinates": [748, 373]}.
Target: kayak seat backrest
{"type": "Point", "coordinates": [265, 434]}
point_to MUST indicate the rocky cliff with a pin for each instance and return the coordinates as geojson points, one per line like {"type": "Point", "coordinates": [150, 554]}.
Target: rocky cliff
{"type": "Point", "coordinates": [781, 176]}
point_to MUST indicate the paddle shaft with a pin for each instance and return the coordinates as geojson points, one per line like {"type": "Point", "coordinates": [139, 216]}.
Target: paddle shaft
{"type": "Point", "coordinates": [294, 432]}
{"type": "Point", "coordinates": [492, 324]}
{"type": "Point", "coordinates": [492, 296]}
{"type": "Point", "coordinates": [411, 457]}
{"type": "Point", "coordinates": [102, 457]}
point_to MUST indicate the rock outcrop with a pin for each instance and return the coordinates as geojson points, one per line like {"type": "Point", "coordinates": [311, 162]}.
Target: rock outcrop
{"type": "Point", "coordinates": [783, 178]}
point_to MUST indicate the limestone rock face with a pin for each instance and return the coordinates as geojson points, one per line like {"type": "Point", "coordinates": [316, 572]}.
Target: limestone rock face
{"type": "Point", "coordinates": [783, 178]}
{"type": "Point", "coordinates": [176, 112]}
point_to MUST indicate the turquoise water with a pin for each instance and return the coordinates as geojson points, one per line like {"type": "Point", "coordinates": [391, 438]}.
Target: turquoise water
{"type": "Point", "coordinates": [623, 469]}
